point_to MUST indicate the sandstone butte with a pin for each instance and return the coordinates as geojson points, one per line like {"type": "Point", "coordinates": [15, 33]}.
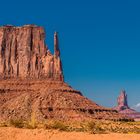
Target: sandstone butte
{"type": "Point", "coordinates": [124, 109]}
{"type": "Point", "coordinates": [32, 81]}
{"type": "Point", "coordinates": [23, 54]}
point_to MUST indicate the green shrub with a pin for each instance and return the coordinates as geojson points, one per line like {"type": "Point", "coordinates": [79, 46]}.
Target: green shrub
{"type": "Point", "coordinates": [17, 123]}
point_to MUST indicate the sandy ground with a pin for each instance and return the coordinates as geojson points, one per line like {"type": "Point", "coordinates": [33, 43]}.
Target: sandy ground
{"type": "Point", "coordinates": [8, 133]}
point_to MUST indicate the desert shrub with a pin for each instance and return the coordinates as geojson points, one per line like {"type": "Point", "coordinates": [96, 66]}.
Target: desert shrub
{"type": "Point", "coordinates": [81, 128]}
{"type": "Point", "coordinates": [57, 125]}
{"type": "Point", "coordinates": [95, 128]}
{"type": "Point", "coordinates": [135, 130]}
{"type": "Point", "coordinates": [17, 123]}
{"type": "Point", "coordinates": [4, 124]}
{"type": "Point", "coordinates": [32, 124]}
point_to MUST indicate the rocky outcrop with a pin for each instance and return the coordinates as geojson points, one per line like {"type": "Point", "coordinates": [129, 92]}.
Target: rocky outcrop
{"type": "Point", "coordinates": [122, 101]}
{"type": "Point", "coordinates": [123, 107]}
{"type": "Point", "coordinates": [24, 54]}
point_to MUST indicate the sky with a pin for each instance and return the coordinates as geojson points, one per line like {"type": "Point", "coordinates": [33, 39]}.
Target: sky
{"type": "Point", "coordinates": [99, 42]}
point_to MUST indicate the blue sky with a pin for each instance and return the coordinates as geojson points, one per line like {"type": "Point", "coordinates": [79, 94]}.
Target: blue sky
{"type": "Point", "coordinates": [99, 42]}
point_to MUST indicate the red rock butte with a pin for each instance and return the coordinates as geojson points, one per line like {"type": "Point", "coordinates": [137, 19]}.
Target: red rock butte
{"type": "Point", "coordinates": [32, 81]}
{"type": "Point", "coordinates": [24, 54]}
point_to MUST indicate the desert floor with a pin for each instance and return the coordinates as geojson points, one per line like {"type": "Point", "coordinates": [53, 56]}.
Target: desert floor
{"type": "Point", "coordinates": [9, 133]}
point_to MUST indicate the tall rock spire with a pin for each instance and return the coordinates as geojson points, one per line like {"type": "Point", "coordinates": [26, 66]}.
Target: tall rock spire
{"type": "Point", "coordinates": [56, 45]}
{"type": "Point", "coordinates": [58, 71]}
{"type": "Point", "coordinates": [123, 107]}
{"type": "Point", "coordinates": [122, 101]}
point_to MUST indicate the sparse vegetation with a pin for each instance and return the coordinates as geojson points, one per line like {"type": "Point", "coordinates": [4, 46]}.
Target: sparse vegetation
{"type": "Point", "coordinates": [3, 124]}
{"type": "Point", "coordinates": [57, 125]}
{"type": "Point", "coordinates": [17, 123]}
{"type": "Point", "coordinates": [32, 124]}
{"type": "Point", "coordinates": [94, 127]}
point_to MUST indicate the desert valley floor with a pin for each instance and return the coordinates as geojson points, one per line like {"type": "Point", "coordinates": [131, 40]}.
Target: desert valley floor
{"type": "Point", "coordinates": [40, 134]}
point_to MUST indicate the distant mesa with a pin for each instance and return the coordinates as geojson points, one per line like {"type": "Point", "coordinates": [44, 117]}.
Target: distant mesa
{"type": "Point", "coordinates": [123, 107]}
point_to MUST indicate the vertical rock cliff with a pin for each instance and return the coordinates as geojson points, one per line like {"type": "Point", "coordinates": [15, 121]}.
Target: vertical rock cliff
{"type": "Point", "coordinates": [23, 54]}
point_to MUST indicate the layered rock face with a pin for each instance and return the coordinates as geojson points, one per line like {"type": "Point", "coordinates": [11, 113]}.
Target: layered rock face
{"type": "Point", "coordinates": [20, 99]}
{"type": "Point", "coordinates": [123, 107]}
{"type": "Point", "coordinates": [24, 54]}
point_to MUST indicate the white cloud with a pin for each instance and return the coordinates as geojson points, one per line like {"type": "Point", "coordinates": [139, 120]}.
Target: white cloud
{"type": "Point", "coordinates": [136, 107]}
